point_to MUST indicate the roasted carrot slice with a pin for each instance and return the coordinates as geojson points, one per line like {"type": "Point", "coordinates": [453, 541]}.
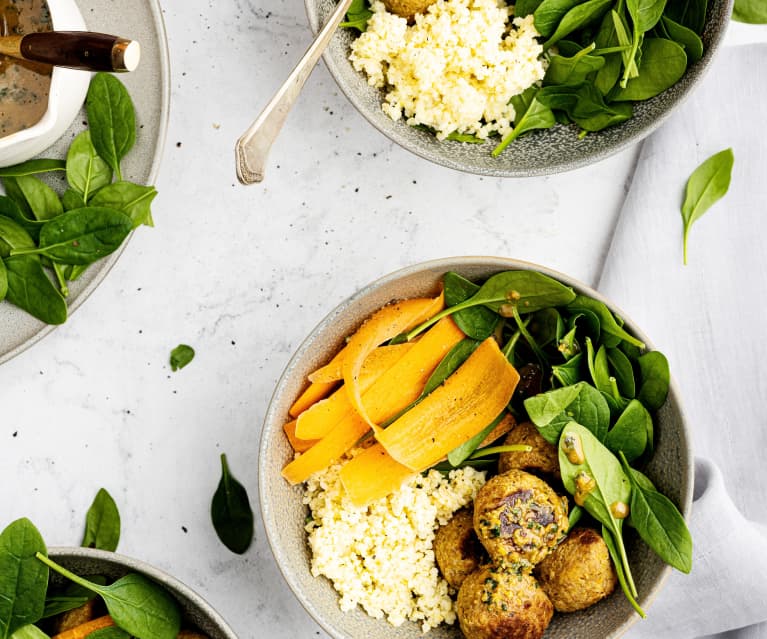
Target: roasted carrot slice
{"type": "Point", "coordinates": [298, 445]}
{"type": "Point", "coordinates": [376, 360]}
{"type": "Point", "coordinates": [373, 474]}
{"type": "Point", "coordinates": [456, 411]}
{"type": "Point", "coordinates": [313, 393]}
{"type": "Point", "coordinates": [392, 392]}
{"type": "Point", "coordinates": [84, 629]}
{"type": "Point", "coordinates": [384, 324]}
{"type": "Point", "coordinates": [317, 421]}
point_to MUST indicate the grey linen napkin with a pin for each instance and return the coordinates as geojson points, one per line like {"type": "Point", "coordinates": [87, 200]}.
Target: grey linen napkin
{"type": "Point", "coordinates": [710, 318]}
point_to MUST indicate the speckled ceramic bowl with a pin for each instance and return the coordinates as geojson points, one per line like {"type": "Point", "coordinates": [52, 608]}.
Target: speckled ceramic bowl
{"type": "Point", "coordinates": [539, 153]}
{"type": "Point", "coordinates": [195, 611]}
{"type": "Point", "coordinates": [284, 515]}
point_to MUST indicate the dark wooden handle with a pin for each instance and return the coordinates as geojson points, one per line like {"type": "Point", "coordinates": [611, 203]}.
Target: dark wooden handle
{"type": "Point", "coordinates": [77, 50]}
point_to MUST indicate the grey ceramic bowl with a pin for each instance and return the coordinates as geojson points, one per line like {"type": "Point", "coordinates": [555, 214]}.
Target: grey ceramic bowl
{"type": "Point", "coordinates": [539, 153]}
{"type": "Point", "coordinates": [195, 611]}
{"type": "Point", "coordinates": [284, 515]}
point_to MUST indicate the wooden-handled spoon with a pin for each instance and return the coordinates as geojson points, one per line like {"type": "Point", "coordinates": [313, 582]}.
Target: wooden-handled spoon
{"type": "Point", "coordinates": [74, 49]}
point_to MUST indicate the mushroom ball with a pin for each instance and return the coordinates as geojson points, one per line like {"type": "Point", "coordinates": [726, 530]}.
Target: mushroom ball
{"type": "Point", "coordinates": [519, 518]}
{"type": "Point", "coordinates": [498, 602]}
{"type": "Point", "coordinates": [579, 572]}
{"type": "Point", "coordinates": [457, 548]}
{"type": "Point", "coordinates": [543, 457]}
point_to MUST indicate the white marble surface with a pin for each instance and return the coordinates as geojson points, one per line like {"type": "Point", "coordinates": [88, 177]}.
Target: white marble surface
{"type": "Point", "coordinates": [242, 274]}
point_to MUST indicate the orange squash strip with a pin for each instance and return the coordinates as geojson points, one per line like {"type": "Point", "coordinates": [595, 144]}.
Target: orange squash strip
{"type": "Point", "coordinates": [373, 474]}
{"type": "Point", "coordinates": [377, 359]}
{"type": "Point", "coordinates": [388, 395]}
{"type": "Point", "coordinates": [298, 445]}
{"type": "Point", "coordinates": [386, 323]}
{"type": "Point", "coordinates": [456, 411]}
{"type": "Point", "coordinates": [313, 393]}
{"type": "Point", "coordinates": [84, 629]}
{"type": "Point", "coordinates": [316, 421]}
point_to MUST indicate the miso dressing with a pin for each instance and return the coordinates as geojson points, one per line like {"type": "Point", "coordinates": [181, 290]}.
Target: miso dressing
{"type": "Point", "coordinates": [24, 86]}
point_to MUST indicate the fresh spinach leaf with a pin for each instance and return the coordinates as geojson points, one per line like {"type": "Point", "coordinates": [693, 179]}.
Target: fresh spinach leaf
{"type": "Point", "coordinates": [612, 549]}
{"type": "Point", "coordinates": [132, 199]}
{"type": "Point", "coordinates": [30, 631]}
{"type": "Point", "coordinates": [607, 76]}
{"type": "Point", "coordinates": [655, 379]}
{"type": "Point", "coordinates": [461, 453]}
{"type": "Point", "coordinates": [3, 281]}
{"type": "Point", "coordinates": [707, 184]}
{"type": "Point", "coordinates": [693, 45]}
{"type": "Point", "coordinates": [751, 11]}
{"type": "Point", "coordinates": [570, 372]}
{"type": "Point", "coordinates": [231, 512]}
{"type": "Point", "coordinates": [690, 13]}
{"type": "Point", "coordinates": [529, 291]}
{"type": "Point", "coordinates": [524, 8]}
{"type": "Point", "coordinates": [477, 322]}
{"type": "Point", "coordinates": [86, 171]}
{"type": "Point", "coordinates": [357, 16]}
{"type": "Point", "coordinates": [71, 199]}
{"type": "Point", "coordinates": [137, 605]}
{"type": "Point", "coordinates": [576, 513]}
{"type": "Point", "coordinates": [23, 580]}
{"type": "Point", "coordinates": [81, 236]}
{"type": "Point", "coordinates": [31, 289]}
{"type": "Point", "coordinates": [549, 14]}
{"type": "Point", "coordinates": [13, 236]}
{"type": "Point", "coordinates": [112, 119]}
{"type": "Point", "coordinates": [573, 70]}
{"type": "Point", "coordinates": [181, 356]}
{"type": "Point", "coordinates": [530, 115]}
{"type": "Point", "coordinates": [663, 64]}
{"type": "Point", "coordinates": [39, 199]}
{"type": "Point", "coordinates": [110, 632]}
{"type": "Point", "coordinates": [629, 435]}
{"type": "Point", "coordinates": [585, 106]}
{"type": "Point", "coordinates": [622, 371]}
{"type": "Point", "coordinates": [102, 523]}
{"type": "Point", "coordinates": [659, 524]}
{"type": "Point", "coordinates": [69, 598]}
{"type": "Point", "coordinates": [607, 322]}
{"type": "Point", "coordinates": [577, 18]}
{"type": "Point", "coordinates": [553, 410]}
{"type": "Point", "coordinates": [33, 167]}
{"type": "Point", "coordinates": [466, 138]}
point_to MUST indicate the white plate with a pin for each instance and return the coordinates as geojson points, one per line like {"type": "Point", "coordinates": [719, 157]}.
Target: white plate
{"type": "Point", "coordinates": [149, 87]}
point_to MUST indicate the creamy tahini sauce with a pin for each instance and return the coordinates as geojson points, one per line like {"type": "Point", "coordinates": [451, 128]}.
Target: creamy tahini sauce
{"type": "Point", "coordinates": [24, 86]}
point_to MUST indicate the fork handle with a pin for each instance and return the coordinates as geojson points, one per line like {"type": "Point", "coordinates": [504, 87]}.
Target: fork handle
{"type": "Point", "coordinates": [253, 146]}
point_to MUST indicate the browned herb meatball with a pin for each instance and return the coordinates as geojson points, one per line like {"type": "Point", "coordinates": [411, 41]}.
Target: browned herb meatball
{"type": "Point", "coordinates": [519, 518]}
{"type": "Point", "coordinates": [457, 549]}
{"type": "Point", "coordinates": [408, 8]}
{"type": "Point", "coordinates": [579, 572]}
{"type": "Point", "coordinates": [542, 459]}
{"type": "Point", "coordinates": [502, 603]}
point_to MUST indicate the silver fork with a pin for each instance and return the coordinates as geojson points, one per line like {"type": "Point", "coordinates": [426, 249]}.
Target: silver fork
{"type": "Point", "coordinates": [253, 146]}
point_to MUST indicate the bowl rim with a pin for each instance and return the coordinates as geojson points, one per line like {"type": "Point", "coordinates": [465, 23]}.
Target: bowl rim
{"type": "Point", "coordinates": [449, 263]}
{"type": "Point", "coordinates": [400, 135]}
{"type": "Point", "coordinates": [163, 578]}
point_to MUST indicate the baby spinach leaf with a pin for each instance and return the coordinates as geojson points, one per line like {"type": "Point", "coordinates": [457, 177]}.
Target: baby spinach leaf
{"type": "Point", "coordinates": [577, 18]}
{"type": "Point", "coordinates": [573, 70]}
{"type": "Point", "coordinates": [607, 76]}
{"type": "Point", "coordinates": [231, 512]}
{"type": "Point", "coordinates": [693, 45]}
{"type": "Point", "coordinates": [663, 63]}
{"type": "Point", "coordinates": [13, 236]}
{"type": "Point", "coordinates": [466, 138]}
{"type": "Point", "coordinates": [610, 484]}
{"type": "Point", "coordinates": [86, 171]}
{"type": "Point", "coordinates": [570, 372]}
{"type": "Point", "coordinates": [622, 371]}
{"type": "Point", "coordinates": [110, 632]}
{"type": "Point", "coordinates": [39, 199]}
{"type": "Point", "coordinates": [112, 119]}
{"type": "Point", "coordinates": [72, 200]}
{"type": "Point", "coordinates": [629, 435]}
{"type": "Point", "coordinates": [23, 580]}
{"type": "Point", "coordinates": [607, 321]}
{"type": "Point", "coordinates": [181, 356]}
{"type": "Point", "coordinates": [585, 106]}
{"type": "Point", "coordinates": [690, 13]}
{"type": "Point", "coordinates": [11, 210]}
{"type": "Point", "coordinates": [529, 291]}
{"type": "Point", "coordinates": [645, 14]}
{"type": "Point", "coordinates": [132, 199]}
{"type": "Point", "coordinates": [30, 289]}
{"type": "Point", "coordinates": [530, 114]}
{"type": "Point", "coordinates": [82, 236]}
{"type": "Point", "coordinates": [553, 410]}
{"type": "Point", "coordinates": [655, 379]}
{"type": "Point", "coordinates": [659, 523]}
{"type": "Point", "coordinates": [450, 363]}
{"type": "Point", "coordinates": [612, 549]}
{"type": "Point", "coordinates": [33, 167]}
{"type": "Point", "coordinates": [549, 13]}
{"type": "Point", "coordinates": [102, 523]}
{"type": "Point", "coordinates": [477, 322]}
{"type": "Point", "coordinates": [357, 16]}
{"type": "Point", "coordinates": [137, 605]}
{"type": "Point", "coordinates": [752, 11]}
{"type": "Point", "coordinates": [524, 8]}
{"type": "Point", "coordinates": [3, 281]}
{"type": "Point", "coordinates": [576, 513]}
{"type": "Point", "coordinates": [707, 184]}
